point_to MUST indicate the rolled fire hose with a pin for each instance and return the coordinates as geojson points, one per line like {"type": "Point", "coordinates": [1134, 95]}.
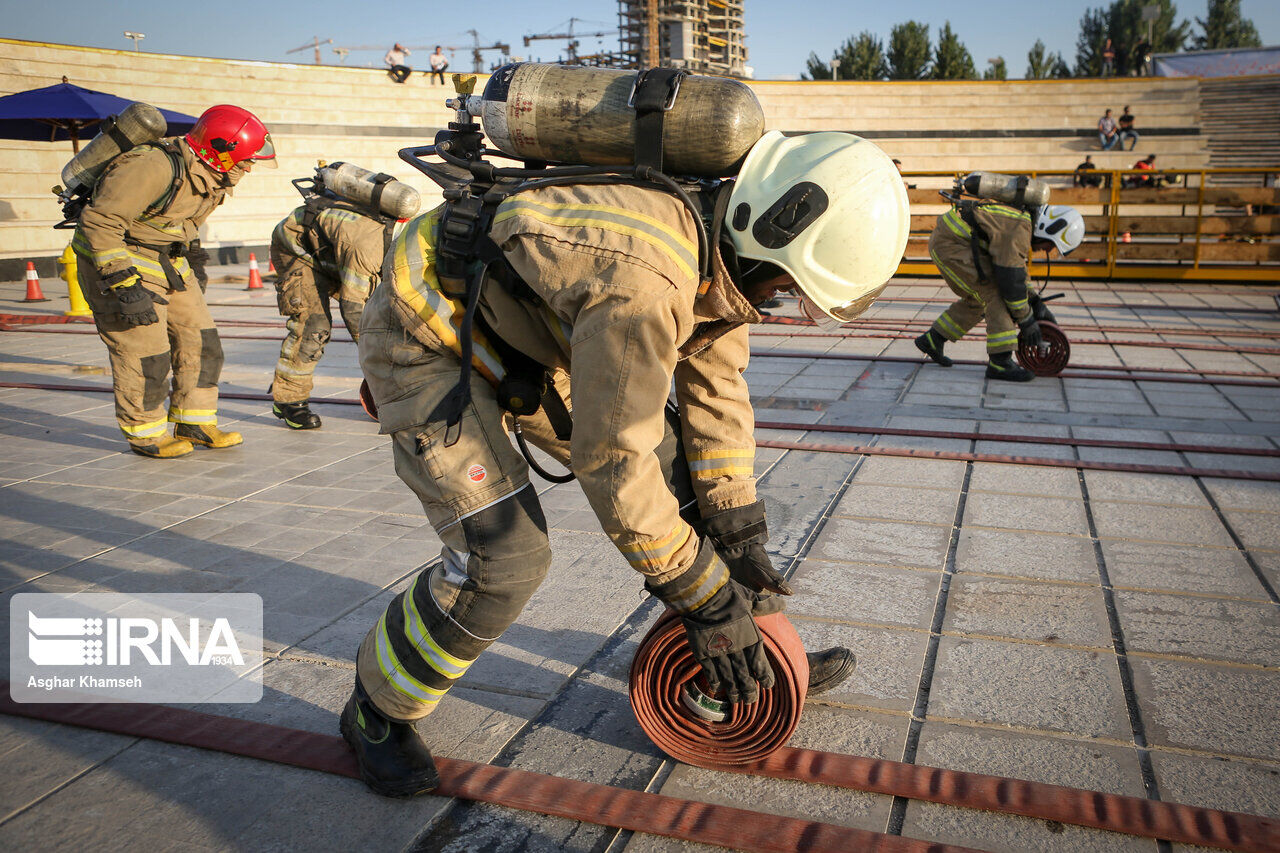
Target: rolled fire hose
{"type": "Point", "coordinates": [691, 727]}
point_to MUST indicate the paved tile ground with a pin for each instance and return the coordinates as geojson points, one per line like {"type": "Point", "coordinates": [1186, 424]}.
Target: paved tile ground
{"type": "Point", "coordinates": [1108, 630]}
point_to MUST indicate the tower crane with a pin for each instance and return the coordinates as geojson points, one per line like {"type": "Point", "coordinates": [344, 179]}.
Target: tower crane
{"type": "Point", "coordinates": [315, 45]}
{"type": "Point", "coordinates": [477, 58]}
{"type": "Point", "coordinates": [572, 48]}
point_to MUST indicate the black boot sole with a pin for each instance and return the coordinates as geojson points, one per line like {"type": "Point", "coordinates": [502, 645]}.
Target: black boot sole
{"type": "Point", "coordinates": [403, 789]}
{"type": "Point", "coordinates": [836, 678]}
{"type": "Point", "coordinates": [290, 424]}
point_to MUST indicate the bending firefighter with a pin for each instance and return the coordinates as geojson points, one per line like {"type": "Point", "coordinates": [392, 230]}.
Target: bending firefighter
{"type": "Point", "coordinates": [133, 240]}
{"type": "Point", "coordinates": [982, 247]}
{"type": "Point", "coordinates": [330, 247]}
{"type": "Point", "coordinates": [599, 281]}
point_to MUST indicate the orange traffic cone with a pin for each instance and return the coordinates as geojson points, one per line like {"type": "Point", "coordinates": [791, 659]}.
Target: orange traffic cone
{"type": "Point", "coordinates": [255, 277]}
{"type": "Point", "coordinates": [271, 265]}
{"type": "Point", "coordinates": [34, 293]}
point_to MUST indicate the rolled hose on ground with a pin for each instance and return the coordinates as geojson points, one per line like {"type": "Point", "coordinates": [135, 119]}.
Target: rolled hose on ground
{"type": "Point", "coordinates": [663, 666]}
{"type": "Point", "coordinates": [1052, 358]}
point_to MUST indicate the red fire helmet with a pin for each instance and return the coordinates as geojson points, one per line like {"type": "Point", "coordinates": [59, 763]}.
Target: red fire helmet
{"type": "Point", "coordinates": [225, 135]}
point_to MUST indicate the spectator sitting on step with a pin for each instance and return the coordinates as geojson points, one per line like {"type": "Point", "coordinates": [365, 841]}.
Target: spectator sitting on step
{"type": "Point", "coordinates": [1084, 177]}
{"type": "Point", "coordinates": [1108, 137]}
{"type": "Point", "coordinates": [1147, 164]}
{"type": "Point", "coordinates": [1127, 131]}
{"type": "Point", "coordinates": [395, 63]}
{"type": "Point", "coordinates": [438, 65]}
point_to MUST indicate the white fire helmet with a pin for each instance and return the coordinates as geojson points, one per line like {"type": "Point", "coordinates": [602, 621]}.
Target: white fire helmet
{"type": "Point", "coordinates": [828, 208]}
{"type": "Point", "coordinates": [1062, 225]}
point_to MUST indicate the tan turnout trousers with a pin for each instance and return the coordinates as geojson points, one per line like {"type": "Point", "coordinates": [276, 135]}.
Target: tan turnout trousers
{"type": "Point", "coordinates": [118, 230]}
{"type": "Point", "coordinates": [1009, 230]}
{"type": "Point", "coordinates": [350, 249]}
{"type": "Point", "coordinates": [617, 315]}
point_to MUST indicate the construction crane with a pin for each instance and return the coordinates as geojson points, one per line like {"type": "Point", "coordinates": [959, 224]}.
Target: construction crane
{"type": "Point", "coordinates": [477, 50]}
{"type": "Point", "coordinates": [315, 45]}
{"type": "Point", "coordinates": [572, 48]}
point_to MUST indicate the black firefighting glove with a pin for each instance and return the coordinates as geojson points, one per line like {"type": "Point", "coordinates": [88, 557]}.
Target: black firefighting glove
{"type": "Point", "coordinates": [1038, 309]}
{"type": "Point", "coordinates": [137, 304]}
{"type": "Point", "coordinates": [723, 637]}
{"type": "Point", "coordinates": [740, 535]}
{"type": "Point", "coordinates": [198, 258]}
{"type": "Point", "coordinates": [1029, 332]}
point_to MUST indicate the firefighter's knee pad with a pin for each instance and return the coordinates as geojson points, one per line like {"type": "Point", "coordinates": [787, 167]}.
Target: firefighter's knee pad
{"type": "Point", "coordinates": [211, 359]}
{"type": "Point", "coordinates": [314, 335]}
{"type": "Point", "coordinates": [481, 591]}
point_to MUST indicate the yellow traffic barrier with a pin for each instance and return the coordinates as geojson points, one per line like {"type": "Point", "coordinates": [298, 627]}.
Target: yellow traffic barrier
{"type": "Point", "coordinates": [79, 307]}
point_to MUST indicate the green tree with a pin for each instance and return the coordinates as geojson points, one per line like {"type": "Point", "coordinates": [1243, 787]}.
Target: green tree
{"type": "Point", "coordinates": [1090, 43]}
{"type": "Point", "coordinates": [1225, 28]}
{"type": "Point", "coordinates": [862, 58]}
{"type": "Point", "coordinates": [1042, 65]}
{"type": "Point", "coordinates": [859, 58]}
{"type": "Point", "coordinates": [996, 70]}
{"type": "Point", "coordinates": [1122, 23]}
{"type": "Point", "coordinates": [815, 68]}
{"type": "Point", "coordinates": [909, 51]}
{"type": "Point", "coordinates": [951, 59]}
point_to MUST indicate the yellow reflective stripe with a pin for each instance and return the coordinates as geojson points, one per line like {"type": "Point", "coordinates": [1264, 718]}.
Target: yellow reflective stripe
{"type": "Point", "coordinates": [1016, 307]}
{"type": "Point", "coordinates": [1002, 339]}
{"type": "Point", "coordinates": [100, 259]}
{"type": "Point", "coordinates": [953, 220]}
{"type": "Point", "coordinates": [722, 463]}
{"type": "Point", "coordinates": [394, 673]}
{"type": "Point", "coordinates": [193, 416]}
{"type": "Point", "coordinates": [146, 430]}
{"type": "Point", "coordinates": [954, 277]}
{"type": "Point", "coordinates": [437, 658]}
{"type": "Point", "coordinates": [950, 328]}
{"type": "Point", "coordinates": [352, 279]}
{"type": "Point", "coordinates": [284, 365]}
{"type": "Point", "coordinates": [653, 553]}
{"type": "Point", "coordinates": [413, 278]}
{"type": "Point", "coordinates": [656, 233]}
{"type": "Point", "coordinates": [1008, 212]}
{"type": "Point", "coordinates": [700, 590]}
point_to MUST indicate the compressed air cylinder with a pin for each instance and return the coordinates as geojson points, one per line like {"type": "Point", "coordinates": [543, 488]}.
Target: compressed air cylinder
{"type": "Point", "coordinates": [1005, 188]}
{"type": "Point", "coordinates": [579, 115]}
{"type": "Point", "coordinates": [359, 186]}
{"type": "Point", "coordinates": [137, 123]}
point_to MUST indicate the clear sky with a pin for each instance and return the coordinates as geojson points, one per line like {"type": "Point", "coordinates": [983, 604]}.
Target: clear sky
{"type": "Point", "coordinates": [780, 33]}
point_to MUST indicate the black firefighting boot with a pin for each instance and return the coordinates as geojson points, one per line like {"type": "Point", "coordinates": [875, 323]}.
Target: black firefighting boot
{"type": "Point", "coordinates": [828, 669]}
{"type": "Point", "coordinates": [394, 762]}
{"type": "Point", "coordinates": [1002, 367]}
{"type": "Point", "coordinates": [931, 343]}
{"type": "Point", "coordinates": [296, 415]}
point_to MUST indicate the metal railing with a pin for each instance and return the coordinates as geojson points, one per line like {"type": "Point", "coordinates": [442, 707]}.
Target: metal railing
{"type": "Point", "coordinates": [1171, 224]}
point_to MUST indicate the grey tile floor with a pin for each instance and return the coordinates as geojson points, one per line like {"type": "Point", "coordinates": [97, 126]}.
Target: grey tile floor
{"type": "Point", "coordinates": [1110, 630]}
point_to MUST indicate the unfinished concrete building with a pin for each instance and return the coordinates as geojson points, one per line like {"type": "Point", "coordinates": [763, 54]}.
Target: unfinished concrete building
{"type": "Point", "coordinates": [705, 36]}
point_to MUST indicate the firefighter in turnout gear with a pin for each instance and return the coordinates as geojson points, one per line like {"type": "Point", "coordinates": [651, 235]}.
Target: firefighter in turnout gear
{"type": "Point", "coordinates": [132, 241]}
{"type": "Point", "coordinates": [335, 252]}
{"type": "Point", "coordinates": [982, 248]}
{"type": "Point", "coordinates": [600, 282]}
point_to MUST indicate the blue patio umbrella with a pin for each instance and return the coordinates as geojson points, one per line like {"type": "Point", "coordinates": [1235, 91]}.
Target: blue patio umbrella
{"type": "Point", "coordinates": [64, 111]}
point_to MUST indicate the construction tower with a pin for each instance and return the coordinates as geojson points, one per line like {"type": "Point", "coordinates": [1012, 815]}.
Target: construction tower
{"type": "Point", "coordinates": [704, 36]}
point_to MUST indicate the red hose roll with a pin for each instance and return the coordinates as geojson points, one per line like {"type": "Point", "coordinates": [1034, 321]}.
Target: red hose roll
{"type": "Point", "coordinates": [663, 665]}
{"type": "Point", "coordinates": [366, 400]}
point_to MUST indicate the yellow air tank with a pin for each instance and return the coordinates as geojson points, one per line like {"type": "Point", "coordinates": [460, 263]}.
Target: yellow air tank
{"type": "Point", "coordinates": [137, 124]}
{"type": "Point", "coordinates": [579, 115]}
